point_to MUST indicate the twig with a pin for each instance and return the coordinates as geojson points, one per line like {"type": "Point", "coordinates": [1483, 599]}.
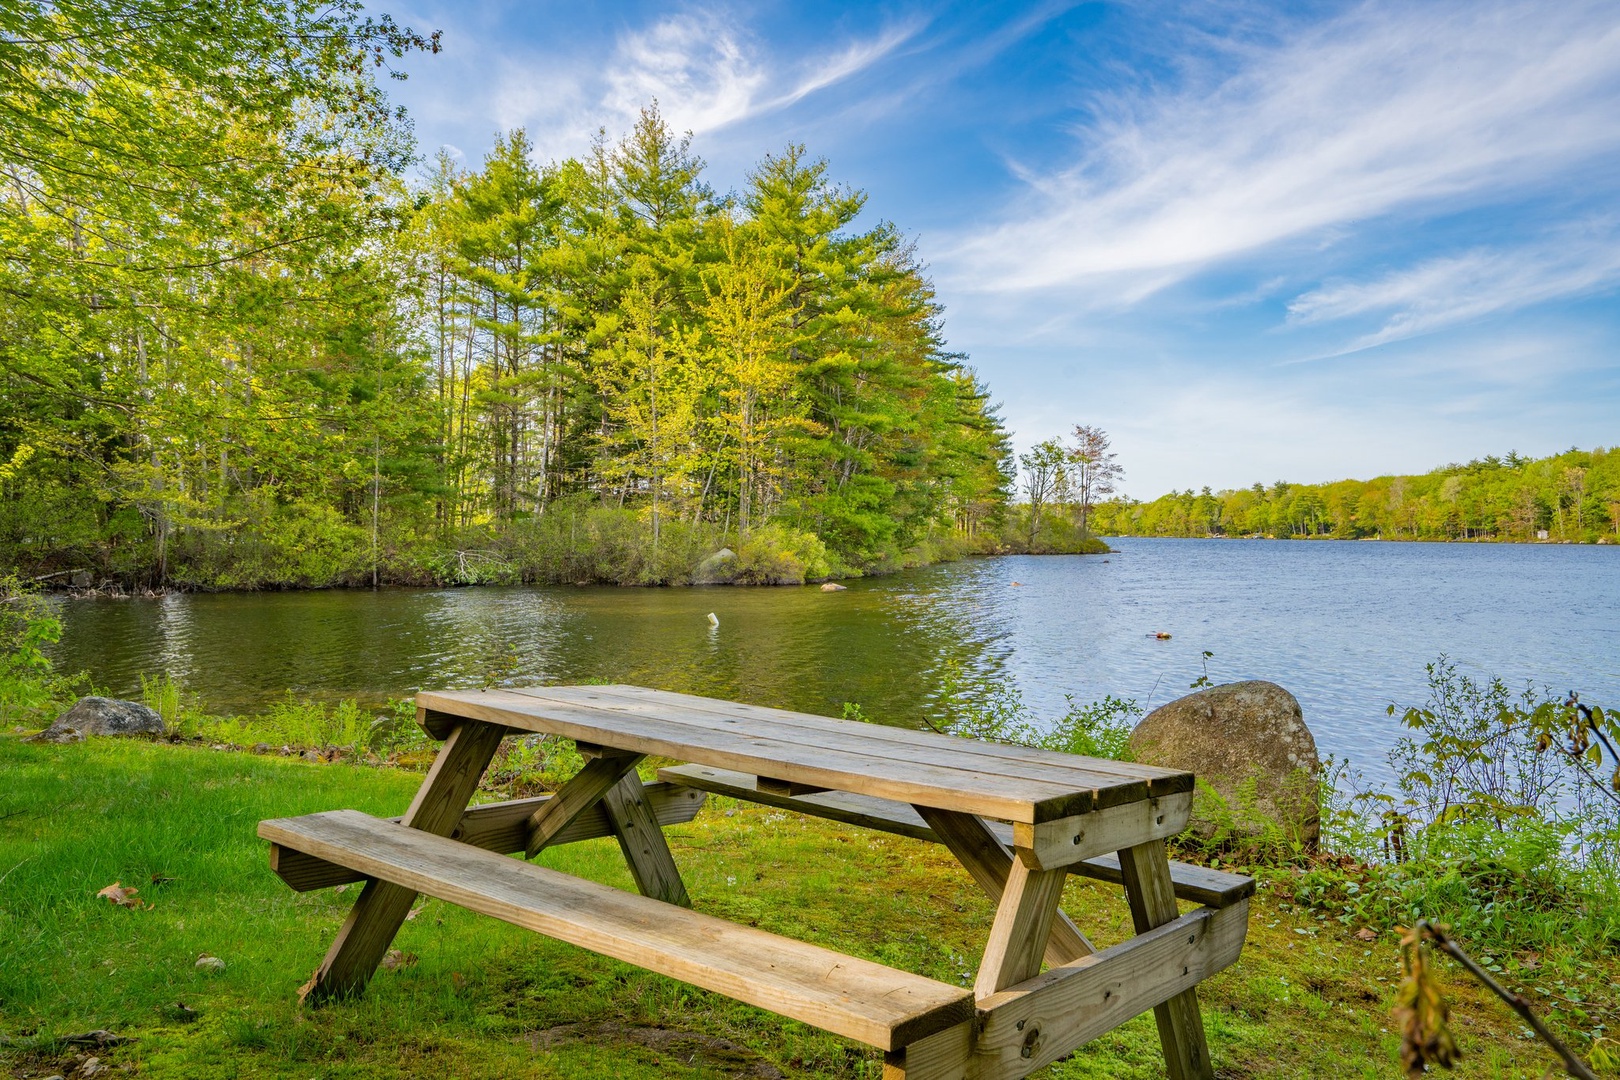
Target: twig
{"type": "Point", "coordinates": [8, 873]}
{"type": "Point", "coordinates": [1517, 1002]}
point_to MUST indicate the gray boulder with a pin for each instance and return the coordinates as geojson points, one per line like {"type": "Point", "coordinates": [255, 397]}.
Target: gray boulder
{"type": "Point", "coordinates": [1254, 758]}
{"type": "Point", "coordinates": [718, 569]}
{"type": "Point", "coordinates": [102, 716]}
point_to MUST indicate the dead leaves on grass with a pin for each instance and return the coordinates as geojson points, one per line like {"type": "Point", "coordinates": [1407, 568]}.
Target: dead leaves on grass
{"type": "Point", "coordinates": [394, 960]}
{"type": "Point", "coordinates": [117, 894]}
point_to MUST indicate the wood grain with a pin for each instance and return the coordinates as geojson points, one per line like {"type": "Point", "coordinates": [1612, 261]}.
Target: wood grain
{"type": "Point", "coordinates": [579, 794]}
{"type": "Point", "coordinates": [501, 827]}
{"type": "Point", "coordinates": [1022, 928]}
{"type": "Point", "coordinates": [1005, 757]}
{"type": "Point", "coordinates": [861, 1000]}
{"type": "Point", "coordinates": [1026, 1027]}
{"type": "Point", "coordinates": [988, 861]}
{"type": "Point", "coordinates": [380, 911]}
{"type": "Point", "coordinates": [1111, 781]}
{"type": "Point", "coordinates": [642, 842]}
{"type": "Point", "coordinates": [859, 764]}
{"type": "Point", "coordinates": [1052, 844]}
{"type": "Point", "coordinates": [1152, 899]}
{"type": "Point", "coordinates": [1197, 884]}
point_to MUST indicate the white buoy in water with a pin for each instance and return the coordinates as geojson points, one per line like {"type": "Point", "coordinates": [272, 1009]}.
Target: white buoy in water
{"type": "Point", "coordinates": [714, 620]}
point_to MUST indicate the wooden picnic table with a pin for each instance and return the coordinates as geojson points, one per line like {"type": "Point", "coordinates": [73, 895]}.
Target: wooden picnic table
{"type": "Point", "coordinates": [1020, 821]}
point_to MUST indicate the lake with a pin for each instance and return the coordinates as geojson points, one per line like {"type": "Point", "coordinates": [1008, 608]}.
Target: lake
{"type": "Point", "coordinates": [1347, 626]}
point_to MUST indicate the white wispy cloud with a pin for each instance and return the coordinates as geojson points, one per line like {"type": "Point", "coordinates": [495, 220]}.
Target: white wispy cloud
{"type": "Point", "coordinates": [1445, 291]}
{"type": "Point", "coordinates": [705, 70]}
{"type": "Point", "coordinates": [1385, 108]}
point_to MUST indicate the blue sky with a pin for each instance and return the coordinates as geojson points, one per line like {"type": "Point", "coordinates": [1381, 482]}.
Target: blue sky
{"type": "Point", "coordinates": [1253, 242]}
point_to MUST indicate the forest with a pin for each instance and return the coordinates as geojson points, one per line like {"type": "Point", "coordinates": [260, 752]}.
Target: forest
{"type": "Point", "coordinates": [1569, 497]}
{"type": "Point", "coordinates": [250, 339]}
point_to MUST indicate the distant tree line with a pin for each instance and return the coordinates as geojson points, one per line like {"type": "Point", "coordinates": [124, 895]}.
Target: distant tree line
{"type": "Point", "coordinates": [240, 348]}
{"type": "Point", "coordinates": [1573, 496]}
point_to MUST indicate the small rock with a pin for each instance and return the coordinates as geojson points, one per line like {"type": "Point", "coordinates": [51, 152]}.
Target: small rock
{"type": "Point", "coordinates": [102, 716]}
{"type": "Point", "coordinates": [1254, 758]}
{"type": "Point", "coordinates": [311, 755]}
{"type": "Point", "coordinates": [209, 965]}
{"type": "Point", "coordinates": [833, 586]}
{"type": "Point", "coordinates": [261, 748]}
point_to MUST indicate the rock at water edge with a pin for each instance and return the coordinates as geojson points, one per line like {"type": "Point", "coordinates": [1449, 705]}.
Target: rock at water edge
{"type": "Point", "coordinates": [102, 716]}
{"type": "Point", "coordinates": [1254, 758]}
{"type": "Point", "coordinates": [718, 569]}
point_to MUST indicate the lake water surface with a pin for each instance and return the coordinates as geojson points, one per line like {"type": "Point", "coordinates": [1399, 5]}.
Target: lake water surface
{"type": "Point", "coordinates": [1346, 626]}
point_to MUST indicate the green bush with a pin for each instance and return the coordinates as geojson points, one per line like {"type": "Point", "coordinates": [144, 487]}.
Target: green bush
{"type": "Point", "coordinates": [269, 544]}
{"type": "Point", "coordinates": [342, 725]}
{"type": "Point", "coordinates": [31, 692]}
{"type": "Point", "coordinates": [779, 555]}
{"type": "Point", "coordinates": [1489, 829]}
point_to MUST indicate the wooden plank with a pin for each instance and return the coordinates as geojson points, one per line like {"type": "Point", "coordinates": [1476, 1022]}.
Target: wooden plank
{"type": "Point", "coordinates": [1022, 927]}
{"type": "Point", "coordinates": [866, 811]}
{"type": "Point", "coordinates": [944, 1055]}
{"type": "Point", "coordinates": [582, 792]}
{"type": "Point", "coordinates": [788, 788]}
{"type": "Point", "coordinates": [951, 789]}
{"type": "Point", "coordinates": [1008, 758]}
{"type": "Point", "coordinates": [1063, 1008]}
{"type": "Point", "coordinates": [949, 767]}
{"type": "Point", "coordinates": [1197, 884]}
{"type": "Point", "coordinates": [1113, 782]}
{"type": "Point", "coordinates": [1152, 899]}
{"type": "Point", "coordinates": [1052, 844]}
{"type": "Point", "coordinates": [845, 995]}
{"type": "Point", "coordinates": [501, 827]}
{"type": "Point", "coordinates": [380, 911]}
{"type": "Point", "coordinates": [1193, 883]}
{"type": "Point", "coordinates": [987, 859]}
{"type": "Point", "coordinates": [642, 842]}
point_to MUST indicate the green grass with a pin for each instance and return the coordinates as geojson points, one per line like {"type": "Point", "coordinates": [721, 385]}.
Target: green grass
{"type": "Point", "coordinates": [486, 999]}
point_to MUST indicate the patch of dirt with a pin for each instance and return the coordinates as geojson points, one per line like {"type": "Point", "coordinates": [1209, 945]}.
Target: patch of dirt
{"type": "Point", "coordinates": [719, 1056]}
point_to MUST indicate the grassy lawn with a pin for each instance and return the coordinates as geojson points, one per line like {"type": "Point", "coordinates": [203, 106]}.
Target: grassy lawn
{"type": "Point", "coordinates": [474, 997]}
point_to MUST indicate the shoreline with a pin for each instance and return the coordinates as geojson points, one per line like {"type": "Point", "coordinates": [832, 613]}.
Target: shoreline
{"type": "Point", "coordinates": [1602, 541]}
{"type": "Point", "coordinates": [113, 590]}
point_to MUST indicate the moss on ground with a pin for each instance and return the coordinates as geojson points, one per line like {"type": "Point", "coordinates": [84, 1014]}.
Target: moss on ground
{"type": "Point", "coordinates": [472, 997]}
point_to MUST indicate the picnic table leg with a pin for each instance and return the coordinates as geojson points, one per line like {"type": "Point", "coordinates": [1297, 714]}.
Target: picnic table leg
{"type": "Point", "coordinates": [1022, 928]}
{"type": "Point", "coordinates": [987, 859]}
{"type": "Point", "coordinates": [1151, 893]}
{"type": "Point", "coordinates": [377, 916]}
{"type": "Point", "coordinates": [582, 791]}
{"type": "Point", "coordinates": [641, 839]}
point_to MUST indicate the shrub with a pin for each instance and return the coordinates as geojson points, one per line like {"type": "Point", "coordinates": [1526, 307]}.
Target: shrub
{"type": "Point", "coordinates": [779, 555]}
{"type": "Point", "coordinates": [1488, 829]}
{"type": "Point", "coordinates": [30, 688]}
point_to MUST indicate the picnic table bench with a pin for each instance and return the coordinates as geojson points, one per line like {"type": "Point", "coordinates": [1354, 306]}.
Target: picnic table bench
{"type": "Point", "coordinates": [1019, 820]}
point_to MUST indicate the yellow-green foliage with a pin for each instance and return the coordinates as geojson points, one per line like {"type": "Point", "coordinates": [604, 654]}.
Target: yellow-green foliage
{"type": "Point", "coordinates": [1570, 496]}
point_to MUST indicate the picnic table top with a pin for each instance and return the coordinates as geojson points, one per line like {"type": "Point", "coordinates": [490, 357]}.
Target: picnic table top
{"type": "Point", "coordinates": [1011, 783]}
